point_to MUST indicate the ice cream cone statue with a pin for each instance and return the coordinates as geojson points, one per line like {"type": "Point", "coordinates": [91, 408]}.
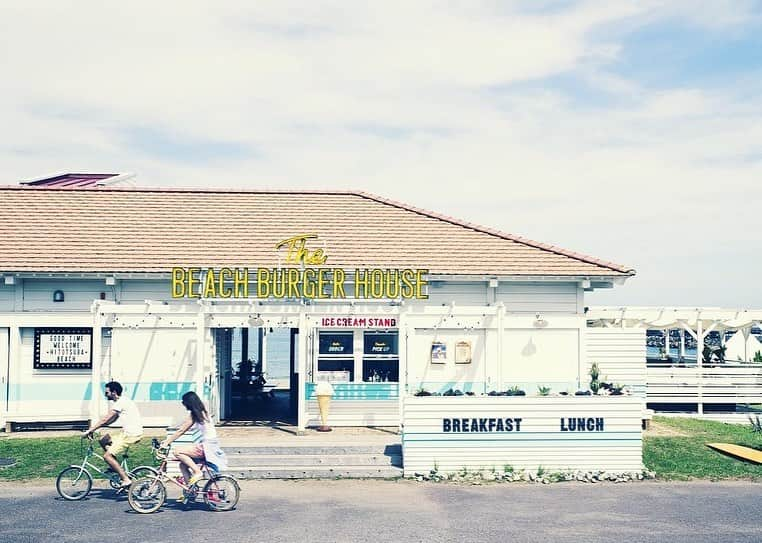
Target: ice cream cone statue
{"type": "Point", "coordinates": [324, 391]}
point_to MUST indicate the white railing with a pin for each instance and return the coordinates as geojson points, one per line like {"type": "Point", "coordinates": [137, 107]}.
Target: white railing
{"type": "Point", "coordinates": [737, 383]}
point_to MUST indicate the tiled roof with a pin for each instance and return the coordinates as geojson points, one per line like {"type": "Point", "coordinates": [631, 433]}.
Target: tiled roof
{"type": "Point", "coordinates": [151, 230]}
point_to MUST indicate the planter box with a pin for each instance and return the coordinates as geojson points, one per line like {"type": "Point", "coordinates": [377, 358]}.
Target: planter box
{"type": "Point", "coordinates": [557, 433]}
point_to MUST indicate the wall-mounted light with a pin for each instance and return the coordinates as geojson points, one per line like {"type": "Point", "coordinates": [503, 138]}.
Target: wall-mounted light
{"type": "Point", "coordinates": [9, 280]}
{"type": "Point", "coordinates": [58, 296]}
{"type": "Point", "coordinates": [256, 322]}
{"type": "Point", "coordinates": [111, 280]}
{"type": "Point", "coordinates": [539, 322]}
{"type": "Point", "coordinates": [493, 283]}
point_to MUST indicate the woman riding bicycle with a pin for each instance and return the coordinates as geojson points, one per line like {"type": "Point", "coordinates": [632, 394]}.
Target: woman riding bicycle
{"type": "Point", "coordinates": [208, 449]}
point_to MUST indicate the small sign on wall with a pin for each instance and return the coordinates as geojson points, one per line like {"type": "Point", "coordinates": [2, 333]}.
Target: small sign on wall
{"type": "Point", "coordinates": [463, 352]}
{"type": "Point", "coordinates": [438, 352]}
{"type": "Point", "coordinates": [63, 348]}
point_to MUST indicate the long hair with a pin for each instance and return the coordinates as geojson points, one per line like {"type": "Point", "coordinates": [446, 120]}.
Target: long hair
{"type": "Point", "coordinates": [193, 403]}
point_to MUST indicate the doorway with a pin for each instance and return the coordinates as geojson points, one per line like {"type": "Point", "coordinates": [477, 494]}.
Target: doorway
{"type": "Point", "coordinates": [261, 383]}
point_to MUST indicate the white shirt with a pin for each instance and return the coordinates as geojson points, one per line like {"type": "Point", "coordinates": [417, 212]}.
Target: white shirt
{"type": "Point", "coordinates": [129, 416]}
{"type": "Point", "coordinates": [207, 429]}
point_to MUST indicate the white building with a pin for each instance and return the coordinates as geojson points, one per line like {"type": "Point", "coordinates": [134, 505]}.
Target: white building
{"type": "Point", "coordinates": [86, 296]}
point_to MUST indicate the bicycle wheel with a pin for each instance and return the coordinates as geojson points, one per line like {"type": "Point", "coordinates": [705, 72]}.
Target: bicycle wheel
{"type": "Point", "coordinates": [142, 471]}
{"type": "Point", "coordinates": [221, 493]}
{"type": "Point", "coordinates": [74, 483]}
{"type": "Point", "coordinates": [146, 495]}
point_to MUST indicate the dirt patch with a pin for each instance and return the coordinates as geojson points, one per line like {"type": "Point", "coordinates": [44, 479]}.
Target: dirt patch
{"type": "Point", "coordinates": [659, 429]}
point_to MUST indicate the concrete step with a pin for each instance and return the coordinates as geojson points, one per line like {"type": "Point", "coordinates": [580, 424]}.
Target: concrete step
{"type": "Point", "coordinates": [332, 460]}
{"type": "Point", "coordinates": [324, 450]}
{"type": "Point", "coordinates": [313, 472]}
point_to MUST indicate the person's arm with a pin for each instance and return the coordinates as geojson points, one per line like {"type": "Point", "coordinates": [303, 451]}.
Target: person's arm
{"type": "Point", "coordinates": [110, 417]}
{"type": "Point", "coordinates": [180, 431]}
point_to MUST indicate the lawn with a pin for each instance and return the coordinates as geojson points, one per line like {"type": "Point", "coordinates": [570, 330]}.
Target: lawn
{"type": "Point", "coordinates": [688, 457]}
{"type": "Point", "coordinates": [679, 453]}
{"type": "Point", "coordinates": [45, 457]}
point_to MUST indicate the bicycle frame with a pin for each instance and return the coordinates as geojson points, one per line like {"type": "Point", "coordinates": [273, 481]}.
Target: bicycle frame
{"type": "Point", "coordinates": [90, 453]}
{"type": "Point", "coordinates": [165, 478]}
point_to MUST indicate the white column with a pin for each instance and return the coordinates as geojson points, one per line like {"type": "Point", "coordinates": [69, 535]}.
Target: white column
{"type": "Point", "coordinates": [95, 374]}
{"type": "Point", "coordinates": [700, 364]}
{"type": "Point", "coordinates": [302, 369]}
{"type": "Point", "coordinates": [682, 344]}
{"type": "Point", "coordinates": [746, 333]}
{"type": "Point", "coordinates": [402, 390]}
{"type": "Point", "coordinates": [200, 349]}
{"type": "Point", "coordinates": [500, 334]}
{"type": "Point", "coordinates": [14, 366]}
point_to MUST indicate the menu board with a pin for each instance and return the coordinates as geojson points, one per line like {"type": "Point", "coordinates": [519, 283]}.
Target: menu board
{"type": "Point", "coordinates": [336, 344]}
{"type": "Point", "coordinates": [63, 348]}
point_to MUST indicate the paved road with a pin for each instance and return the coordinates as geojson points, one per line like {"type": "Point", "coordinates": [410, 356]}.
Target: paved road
{"type": "Point", "coordinates": [402, 511]}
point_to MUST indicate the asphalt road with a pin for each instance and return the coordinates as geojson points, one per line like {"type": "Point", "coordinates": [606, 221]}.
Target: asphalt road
{"type": "Point", "coordinates": [401, 511]}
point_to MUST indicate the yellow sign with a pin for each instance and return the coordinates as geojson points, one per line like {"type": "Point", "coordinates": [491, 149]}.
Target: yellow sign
{"type": "Point", "coordinates": [299, 282]}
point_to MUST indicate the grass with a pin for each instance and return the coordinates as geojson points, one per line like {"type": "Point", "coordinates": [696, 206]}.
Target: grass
{"type": "Point", "coordinates": [45, 457]}
{"type": "Point", "coordinates": [688, 457]}
{"type": "Point", "coordinates": [671, 457]}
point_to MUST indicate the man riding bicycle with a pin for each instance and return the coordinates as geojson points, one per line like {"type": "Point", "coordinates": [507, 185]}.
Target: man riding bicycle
{"type": "Point", "coordinates": [127, 412]}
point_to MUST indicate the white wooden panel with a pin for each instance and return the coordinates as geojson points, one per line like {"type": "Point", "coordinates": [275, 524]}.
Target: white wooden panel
{"type": "Point", "coordinates": [439, 377]}
{"type": "Point", "coordinates": [78, 294]}
{"type": "Point", "coordinates": [356, 413]}
{"type": "Point", "coordinates": [6, 296]}
{"type": "Point", "coordinates": [474, 293]}
{"type": "Point", "coordinates": [541, 357]}
{"type": "Point", "coordinates": [4, 346]}
{"type": "Point", "coordinates": [48, 394]}
{"type": "Point", "coordinates": [620, 354]}
{"type": "Point", "coordinates": [741, 383]}
{"type": "Point", "coordinates": [138, 290]}
{"type": "Point", "coordinates": [539, 297]}
{"type": "Point", "coordinates": [538, 439]}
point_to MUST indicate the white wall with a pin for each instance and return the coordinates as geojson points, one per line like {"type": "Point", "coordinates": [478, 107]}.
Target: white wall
{"type": "Point", "coordinates": [156, 366]}
{"type": "Point", "coordinates": [60, 394]}
{"type": "Point", "coordinates": [541, 357]}
{"type": "Point", "coordinates": [621, 356]}
{"type": "Point", "coordinates": [475, 293]}
{"type": "Point", "coordinates": [538, 440]}
{"type": "Point", "coordinates": [540, 297]}
{"type": "Point", "coordinates": [138, 290]}
{"type": "Point", "coordinates": [436, 377]}
{"type": "Point", "coordinates": [78, 294]}
{"type": "Point", "coordinates": [6, 296]}
{"type": "Point", "coordinates": [4, 345]}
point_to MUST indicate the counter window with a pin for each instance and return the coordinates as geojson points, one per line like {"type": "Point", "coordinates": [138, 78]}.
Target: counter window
{"type": "Point", "coordinates": [381, 357]}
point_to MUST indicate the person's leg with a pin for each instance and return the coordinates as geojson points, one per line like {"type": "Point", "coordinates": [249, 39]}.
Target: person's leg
{"type": "Point", "coordinates": [118, 446]}
{"type": "Point", "coordinates": [186, 457]}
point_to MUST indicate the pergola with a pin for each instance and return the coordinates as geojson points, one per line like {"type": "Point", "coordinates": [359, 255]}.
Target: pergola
{"type": "Point", "coordinates": [699, 322]}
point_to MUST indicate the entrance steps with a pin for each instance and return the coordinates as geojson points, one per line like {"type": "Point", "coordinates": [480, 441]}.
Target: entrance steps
{"type": "Point", "coordinates": [315, 461]}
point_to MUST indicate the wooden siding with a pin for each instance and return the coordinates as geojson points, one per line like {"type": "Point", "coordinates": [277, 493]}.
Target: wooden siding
{"type": "Point", "coordinates": [6, 296]}
{"type": "Point", "coordinates": [541, 297]}
{"type": "Point", "coordinates": [356, 413]}
{"type": "Point", "coordinates": [620, 354]}
{"type": "Point", "coordinates": [540, 441]}
{"type": "Point", "coordinates": [78, 294]}
{"type": "Point", "coordinates": [736, 383]}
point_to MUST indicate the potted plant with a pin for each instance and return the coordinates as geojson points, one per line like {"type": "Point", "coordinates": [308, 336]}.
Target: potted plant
{"type": "Point", "coordinates": [595, 373]}
{"type": "Point", "coordinates": [543, 391]}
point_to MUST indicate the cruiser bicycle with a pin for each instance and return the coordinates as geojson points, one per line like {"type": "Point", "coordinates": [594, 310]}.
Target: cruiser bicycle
{"type": "Point", "coordinates": [74, 482]}
{"type": "Point", "coordinates": [148, 494]}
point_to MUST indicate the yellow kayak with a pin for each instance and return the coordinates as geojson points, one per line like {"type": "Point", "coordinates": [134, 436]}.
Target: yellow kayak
{"type": "Point", "coordinates": [738, 451]}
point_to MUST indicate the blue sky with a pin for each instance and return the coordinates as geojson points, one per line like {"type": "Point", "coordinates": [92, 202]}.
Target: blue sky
{"type": "Point", "coordinates": [630, 131]}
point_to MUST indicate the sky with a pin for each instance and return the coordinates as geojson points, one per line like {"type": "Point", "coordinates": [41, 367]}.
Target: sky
{"type": "Point", "coordinates": [628, 131]}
